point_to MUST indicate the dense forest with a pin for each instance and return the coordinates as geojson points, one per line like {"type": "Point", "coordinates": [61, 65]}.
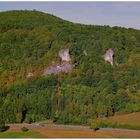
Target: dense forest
{"type": "Point", "coordinates": [31, 40]}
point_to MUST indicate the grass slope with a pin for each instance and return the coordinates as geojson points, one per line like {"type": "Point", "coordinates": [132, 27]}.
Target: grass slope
{"type": "Point", "coordinates": [21, 135]}
{"type": "Point", "coordinates": [127, 121]}
{"type": "Point", "coordinates": [131, 119]}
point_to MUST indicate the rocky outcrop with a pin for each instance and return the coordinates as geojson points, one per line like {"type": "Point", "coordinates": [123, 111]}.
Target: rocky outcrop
{"type": "Point", "coordinates": [65, 65]}
{"type": "Point", "coordinates": [64, 54]}
{"type": "Point", "coordinates": [109, 56]}
{"type": "Point", "coordinates": [30, 74]}
{"type": "Point", "coordinates": [52, 69]}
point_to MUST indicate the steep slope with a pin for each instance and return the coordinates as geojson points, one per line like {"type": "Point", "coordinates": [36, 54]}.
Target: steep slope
{"type": "Point", "coordinates": [130, 119]}
{"type": "Point", "coordinates": [30, 41]}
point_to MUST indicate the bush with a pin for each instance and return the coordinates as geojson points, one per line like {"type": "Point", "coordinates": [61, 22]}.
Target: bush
{"type": "Point", "coordinates": [2, 122]}
{"type": "Point", "coordinates": [18, 117]}
{"type": "Point", "coordinates": [28, 119]}
{"type": "Point", "coordinates": [2, 127]}
{"type": "Point", "coordinates": [24, 129]}
{"type": "Point", "coordinates": [95, 125]}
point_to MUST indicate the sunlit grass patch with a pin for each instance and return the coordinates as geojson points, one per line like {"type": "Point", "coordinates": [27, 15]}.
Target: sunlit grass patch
{"type": "Point", "coordinates": [21, 135]}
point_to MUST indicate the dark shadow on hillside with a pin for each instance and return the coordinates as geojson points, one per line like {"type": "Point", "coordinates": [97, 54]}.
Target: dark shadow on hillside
{"type": "Point", "coordinates": [5, 128]}
{"type": "Point", "coordinates": [23, 115]}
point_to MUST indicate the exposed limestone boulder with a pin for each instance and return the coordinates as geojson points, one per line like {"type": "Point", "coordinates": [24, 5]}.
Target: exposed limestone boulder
{"type": "Point", "coordinates": [64, 54]}
{"type": "Point", "coordinates": [30, 74]}
{"type": "Point", "coordinates": [65, 65]}
{"type": "Point", "coordinates": [109, 55]}
{"type": "Point", "coordinates": [52, 69]}
{"type": "Point", "coordinates": [55, 69]}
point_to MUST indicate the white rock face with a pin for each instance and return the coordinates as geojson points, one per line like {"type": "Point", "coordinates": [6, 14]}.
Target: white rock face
{"type": "Point", "coordinates": [65, 65]}
{"type": "Point", "coordinates": [55, 69]}
{"type": "Point", "coordinates": [51, 70]}
{"type": "Point", "coordinates": [64, 54]}
{"type": "Point", "coordinates": [108, 57]}
{"type": "Point", "coordinates": [30, 74]}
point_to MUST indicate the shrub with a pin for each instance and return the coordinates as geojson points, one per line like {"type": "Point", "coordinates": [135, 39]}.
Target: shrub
{"type": "Point", "coordinates": [95, 125]}
{"type": "Point", "coordinates": [2, 126]}
{"type": "Point", "coordinates": [24, 129]}
{"type": "Point", "coordinates": [18, 117]}
{"type": "Point", "coordinates": [33, 118]}
{"type": "Point", "coordinates": [28, 119]}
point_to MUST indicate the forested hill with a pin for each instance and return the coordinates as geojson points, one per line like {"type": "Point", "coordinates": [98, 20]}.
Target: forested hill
{"type": "Point", "coordinates": [31, 44]}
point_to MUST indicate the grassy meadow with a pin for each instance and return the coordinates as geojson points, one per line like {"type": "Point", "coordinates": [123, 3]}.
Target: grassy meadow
{"type": "Point", "coordinates": [21, 135]}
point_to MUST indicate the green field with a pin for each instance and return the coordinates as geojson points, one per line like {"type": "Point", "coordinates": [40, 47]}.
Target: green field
{"type": "Point", "coordinates": [21, 135]}
{"type": "Point", "coordinates": [130, 119]}
{"type": "Point", "coordinates": [126, 121]}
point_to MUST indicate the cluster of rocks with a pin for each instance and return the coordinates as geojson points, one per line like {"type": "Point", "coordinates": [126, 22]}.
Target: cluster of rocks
{"type": "Point", "coordinates": [65, 66]}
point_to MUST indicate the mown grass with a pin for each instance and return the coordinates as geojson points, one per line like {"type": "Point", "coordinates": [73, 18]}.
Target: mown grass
{"type": "Point", "coordinates": [21, 135]}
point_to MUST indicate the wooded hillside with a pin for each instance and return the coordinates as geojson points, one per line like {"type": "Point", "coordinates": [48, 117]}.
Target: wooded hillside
{"type": "Point", "coordinates": [31, 40]}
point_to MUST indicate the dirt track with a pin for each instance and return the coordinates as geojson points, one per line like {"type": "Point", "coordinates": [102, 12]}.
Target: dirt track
{"type": "Point", "coordinates": [72, 131]}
